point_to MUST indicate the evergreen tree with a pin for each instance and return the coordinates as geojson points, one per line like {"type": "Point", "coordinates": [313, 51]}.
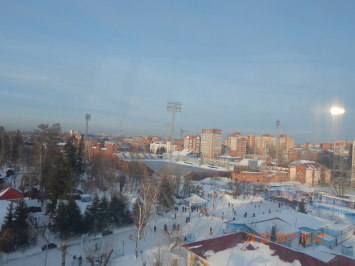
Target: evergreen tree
{"type": "Point", "coordinates": [70, 152]}
{"type": "Point", "coordinates": [62, 179]}
{"type": "Point", "coordinates": [302, 207]}
{"type": "Point", "coordinates": [61, 221]}
{"type": "Point", "coordinates": [104, 211]}
{"type": "Point", "coordinates": [20, 225]}
{"type": "Point", "coordinates": [51, 208]}
{"type": "Point", "coordinates": [79, 170]}
{"type": "Point", "coordinates": [91, 214]}
{"type": "Point", "coordinates": [166, 193]}
{"type": "Point", "coordinates": [74, 217]}
{"type": "Point", "coordinates": [158, 151]}
{"type": "Point", "coordinates": [9, 218]}
{"type": "Point", "coordinates": [119, 211]}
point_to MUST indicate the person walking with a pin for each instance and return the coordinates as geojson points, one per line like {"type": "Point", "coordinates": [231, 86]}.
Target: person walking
{"type": "Point", "coordinates": [210, 230]}
{"type": "Point", "coordinates": [155, 228]}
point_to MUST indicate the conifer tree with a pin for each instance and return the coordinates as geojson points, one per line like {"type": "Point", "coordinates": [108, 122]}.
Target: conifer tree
{"type": "Point", "coordinates": [166, 193]}
{"type": "Point", "coordinates": [302, 207]}
{"type": "Point", "coordinates": [51, 209]}
{"type": "Point", "coordinates": [70, 153]}
{"type": "Point", "coordinates": [9, 218]}
{"type": "Point", "coordinates": [91, 214]}
{"type": "Point", "coordinates": [79, 158]}
{"type": "Point", "coordinates": [104, 210]}
{"type": "Point", "coordinates": [62, 179]}
{"type": "Point", "coordinates": [119, 211]}
{"type": "Point", "coordinates": [74, 217]}
{"type": "Point", "coordinates": [61, 221]}
{"type": "Point", "coordinates": [20, 224]}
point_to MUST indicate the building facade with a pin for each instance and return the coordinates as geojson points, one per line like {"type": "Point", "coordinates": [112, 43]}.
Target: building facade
{"type": "Point", "coordinates": [211, 143]}
{"type": "Point", "coordinates": [193, 143]}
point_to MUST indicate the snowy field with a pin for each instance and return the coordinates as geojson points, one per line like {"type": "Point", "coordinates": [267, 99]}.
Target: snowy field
{"type": "Point", "coordinates": [154, 241]}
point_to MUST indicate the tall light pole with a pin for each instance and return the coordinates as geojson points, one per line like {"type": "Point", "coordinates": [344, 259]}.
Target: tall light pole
{"type": "Point", "coordinates": [172, 107]}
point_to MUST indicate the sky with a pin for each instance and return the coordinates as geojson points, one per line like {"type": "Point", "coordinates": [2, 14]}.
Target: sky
{"type": "Point", "coordinates": [234, 65]}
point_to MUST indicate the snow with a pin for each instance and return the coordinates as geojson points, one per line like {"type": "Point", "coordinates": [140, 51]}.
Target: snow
{"type": "Point", "coordinates": [199, 226]}
{"type": "Point", "coordinates": [240, 254]}
{"type": "Point", "coordinates": [3, 209]}
{"type": "Point", "coordinates": [196, 199]}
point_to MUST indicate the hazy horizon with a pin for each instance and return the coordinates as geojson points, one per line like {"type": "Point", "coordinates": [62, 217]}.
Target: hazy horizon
{"type": "Point", "coordinates": [235, 66]}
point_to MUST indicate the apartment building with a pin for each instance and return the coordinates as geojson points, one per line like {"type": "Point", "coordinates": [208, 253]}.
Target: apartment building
{"type": "Point", "coordinates": [342, 148]}
{"type": "Point", "coordinates": [192, 143]}
{"type": "Point", "coordinates": [211, 143]}
{"type": "Point", "coordinates": [236, 145]}
{"type": "Point", "coordinates": [327, 146]}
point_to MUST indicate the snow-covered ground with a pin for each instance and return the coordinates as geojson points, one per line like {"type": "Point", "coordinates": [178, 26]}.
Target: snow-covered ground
{"type": "Point", "coordinates": [199, 226]}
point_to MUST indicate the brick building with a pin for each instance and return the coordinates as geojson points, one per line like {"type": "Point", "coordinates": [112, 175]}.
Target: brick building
{"type": "Point", "coordinates": [211, 143]}
{"type": "Point", "coordinates": [193, 143]}
{"type": "Point", "coordinates": [262, 176]}
{"type": "Point", "coordinates": [310, 173]}
{"type": "Point", "coordinates": [236, 145]}
{"type": "Point", "coordinates": [342, 148]}
{"type": "Point", "coordinates": [327, 146]}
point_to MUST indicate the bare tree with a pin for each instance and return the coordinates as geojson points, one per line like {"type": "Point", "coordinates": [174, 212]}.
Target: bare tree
{"type": "Point", "coordinates": [98, 253]}
{"type": "Point", "coordinates": [148, 193]}
{"type": "Point", "coordinates": [340, 179]}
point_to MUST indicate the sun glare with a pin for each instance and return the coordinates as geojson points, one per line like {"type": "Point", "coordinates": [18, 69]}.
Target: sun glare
{"type": "Point", "coordinates": [337, 111]}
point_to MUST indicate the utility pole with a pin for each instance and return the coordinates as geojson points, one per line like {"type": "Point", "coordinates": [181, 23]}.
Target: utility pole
{"type": "Point", "coordinates": [121, 128]}
{"type": "Point", "coordinates": [277, 144]}
{"type": "Point", "coordinates": [173, 107]}
{"type": "Point", "coordinates": [64, 247]}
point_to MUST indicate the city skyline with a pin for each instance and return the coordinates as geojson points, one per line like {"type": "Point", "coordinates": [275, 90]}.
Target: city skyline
{"type": "Point", "coordinates": [235, 66]}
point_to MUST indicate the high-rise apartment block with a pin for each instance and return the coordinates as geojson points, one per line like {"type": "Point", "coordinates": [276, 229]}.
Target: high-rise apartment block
{"type": "Point", "coordinates": [211, 143]}
{"type": "Point", "coordinates": [236, 145]}
{"type": "Point", "coordinates": [192, 143]}
{"type": "Point", "coordinates": [342, 148]}
{"type": "Point", "coordinates": [239, 145]}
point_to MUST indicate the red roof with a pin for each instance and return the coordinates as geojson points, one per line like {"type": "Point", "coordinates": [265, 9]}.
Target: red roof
{"type": "Point", "coordinates": [11, 193]}
{"type": "Point", "coordinates": [285, 254]}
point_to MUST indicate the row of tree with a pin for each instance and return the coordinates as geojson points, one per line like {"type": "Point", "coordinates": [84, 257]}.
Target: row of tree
{"type": "Point", "coordinates": [101, 213]}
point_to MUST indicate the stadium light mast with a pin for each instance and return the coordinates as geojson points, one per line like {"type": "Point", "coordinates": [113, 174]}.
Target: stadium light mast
{"type": "Point", "coordinates": [172, 107]}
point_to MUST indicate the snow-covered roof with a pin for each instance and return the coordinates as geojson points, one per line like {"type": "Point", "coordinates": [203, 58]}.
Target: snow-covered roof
{"type": "Point", "coordinates": [196, 199]}
{"type": "Point", "coordinates": [245, 162]}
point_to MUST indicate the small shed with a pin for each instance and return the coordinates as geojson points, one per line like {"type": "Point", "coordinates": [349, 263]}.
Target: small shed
{"type": "Point", "coordinates": [10, 194]}
{"type": "Point", "coordinates": [195, 201]}
{"type": "Point", "coordinates": [85, 197]}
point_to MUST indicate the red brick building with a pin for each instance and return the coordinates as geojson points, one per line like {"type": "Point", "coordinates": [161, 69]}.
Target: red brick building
{"type": "Point", "coordinates": [193, 143]}
{"type": "Point", "coordinates": [237, 145]}
{"type": "Point", "coordinates": [262, 177]}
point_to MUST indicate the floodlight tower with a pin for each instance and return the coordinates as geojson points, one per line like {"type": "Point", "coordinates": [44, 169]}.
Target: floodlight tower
{"type": "Point", "coordinates": [173, 107]}
{"type": "Point", "coordinates": [166, 125]}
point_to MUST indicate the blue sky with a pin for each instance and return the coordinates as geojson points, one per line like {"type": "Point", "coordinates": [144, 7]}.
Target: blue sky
{"type": "Point", "coordinates": [235, 65]}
